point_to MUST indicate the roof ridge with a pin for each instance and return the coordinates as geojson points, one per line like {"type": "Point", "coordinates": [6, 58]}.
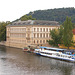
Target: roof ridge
{"type": "Point", "coordinates": [35, 22]}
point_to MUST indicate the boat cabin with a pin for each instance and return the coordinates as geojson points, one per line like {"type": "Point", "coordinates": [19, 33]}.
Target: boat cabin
{"type": "Point", "coordinates": [70, 52]}
{"type": "Point", "coordinates": [53, 49]}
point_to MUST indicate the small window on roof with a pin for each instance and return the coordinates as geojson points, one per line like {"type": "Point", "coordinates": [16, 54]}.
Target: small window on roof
{"type": "Point", "coordinates": [19, 23]}
{"type": "Point", "coordinates": [14, 23]}
{"type": "Point", "coordinates": [24, 23]}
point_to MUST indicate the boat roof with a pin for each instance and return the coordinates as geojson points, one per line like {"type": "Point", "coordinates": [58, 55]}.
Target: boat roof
{"type": "Point", "coordinates": [58, 49]}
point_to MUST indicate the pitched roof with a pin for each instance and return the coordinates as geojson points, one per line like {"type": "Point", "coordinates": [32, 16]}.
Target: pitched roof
{"type": "Point", "coordinates": [73, 31]}
{"type": "Point", "coordinates": [34, 22]}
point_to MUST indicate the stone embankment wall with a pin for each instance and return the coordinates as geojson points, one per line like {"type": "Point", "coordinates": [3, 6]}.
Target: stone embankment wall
{"type": "Point", "coordinates": [12, 44]}
{"type": "Point", "coordinates": [3, 43]}
{"type": "Point", "coordinates": [19, 45]}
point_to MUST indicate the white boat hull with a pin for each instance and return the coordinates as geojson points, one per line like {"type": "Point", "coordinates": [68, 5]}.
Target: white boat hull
{"type": "Point", "coordinates": [57, 57]}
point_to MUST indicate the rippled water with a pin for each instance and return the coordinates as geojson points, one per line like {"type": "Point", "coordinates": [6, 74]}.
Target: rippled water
{"type": "Point", "coordinates": [14, 61]}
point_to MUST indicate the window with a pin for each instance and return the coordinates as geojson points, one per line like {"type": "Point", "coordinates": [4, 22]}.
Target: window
{"type": "Point", "coordinates": [37, 41]}
{"type": "Point", "coordinates": [47, 29]}
{"type": "Point", "coordinates": [34, 35]}
{"type": "Point", "coordinates": [34, 41]}
{"type": "Point", "coordinates": [43, 41]}
{"type": "Point", "coordinates": [44, 29]}
{"type": "Point", "coordinates": [47, 35]}
{"type": "Point", "coordinates": [44, 35]}
{"type": "Point", "coordinates": [34, 29]}
{"type": "Point", "coordinates": [18, 23]}
{"type": "Point", "coordinates": [40, 41]}
{"type": "Point", "coordinates": [41, 35]}
{"type": "Point", "coordinates": [41, 29]}
{"type": "Point", "coordinates": [37, 29]}
{"type": "Point", "coordinates": [37, 35]}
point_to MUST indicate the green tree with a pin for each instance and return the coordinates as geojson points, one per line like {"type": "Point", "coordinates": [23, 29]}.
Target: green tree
{"type": "Point", "coordinates": [67, 33]}
{"type": "Point", "coordinates": [25, 17]}
{"type": "Point", "coordinates": [56, 36]}
{"type": "Point", "coordinates": [3, 30]}
{"type": "Point", "coordinates": [58, 14]}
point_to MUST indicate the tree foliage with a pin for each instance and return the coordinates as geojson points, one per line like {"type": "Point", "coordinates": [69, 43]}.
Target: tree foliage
{"type": "Point", "coordinates": [56, 35]}
{"type": "Point", "coordinates": [3, 30]}
{"type": "Point", "coordinates": [25, 17]}
{"type": "Point", "coordinates": [67, 33]}
{"type": "Point", "coordinates": [62, 35]}
{"type": "Point", "coordinates": [54, 14]}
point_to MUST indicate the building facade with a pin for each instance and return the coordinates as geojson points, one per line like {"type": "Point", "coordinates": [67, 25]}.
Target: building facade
{"type": "Point", "coordinates": [32, 32]}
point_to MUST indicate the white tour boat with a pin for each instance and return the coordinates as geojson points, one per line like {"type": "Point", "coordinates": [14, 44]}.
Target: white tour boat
{"type": "Point", "coordinates": [57, 53]}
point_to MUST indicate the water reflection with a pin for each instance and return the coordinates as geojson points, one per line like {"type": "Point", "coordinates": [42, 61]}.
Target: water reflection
{"type": "Point", "coordinates": [15, 61]}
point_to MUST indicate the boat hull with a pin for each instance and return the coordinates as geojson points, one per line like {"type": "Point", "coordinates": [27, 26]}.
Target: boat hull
{"type": "Point", "coordinates": [56, 53]}
{"type": "Point", "coordinates": [60, 58]}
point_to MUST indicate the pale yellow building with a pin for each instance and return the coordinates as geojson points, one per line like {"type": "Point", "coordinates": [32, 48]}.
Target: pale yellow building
{"type": "Point", "coordinates": [32, 32]}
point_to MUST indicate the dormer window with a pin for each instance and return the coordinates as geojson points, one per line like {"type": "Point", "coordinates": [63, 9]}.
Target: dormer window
{"type": "Point", "coordinates": [24, 23]}
{"type": "Point", "coordinates": [19, 23]}
{"type": "Point", "coordinates": [14, 23]}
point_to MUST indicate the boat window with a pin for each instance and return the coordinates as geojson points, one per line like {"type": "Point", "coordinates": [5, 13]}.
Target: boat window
{"type": "Point", "coordinates": [54, 49]}
{"type": "Point", "coordinates": [45, 48]}
{"type": "Point", "coordinates": [47, 53]}
{"type": "Point", "coordinates": [68, 53]}
{"type": "Point", "coordinates": [58, 55]}
{"type": "Point", "coordinates": [69, 57]}
{"type": "Point", "coordinates": [60, 51]}
{"type": "Point", "coordinates": [74, 57]}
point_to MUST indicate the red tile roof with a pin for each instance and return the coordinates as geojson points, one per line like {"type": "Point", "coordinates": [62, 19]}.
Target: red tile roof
{"type": "Point", "coordinates": [73, 31]}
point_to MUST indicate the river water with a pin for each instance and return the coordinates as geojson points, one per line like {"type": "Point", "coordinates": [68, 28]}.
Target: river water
{"type": "Point", "coordinates": [14, 61]}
